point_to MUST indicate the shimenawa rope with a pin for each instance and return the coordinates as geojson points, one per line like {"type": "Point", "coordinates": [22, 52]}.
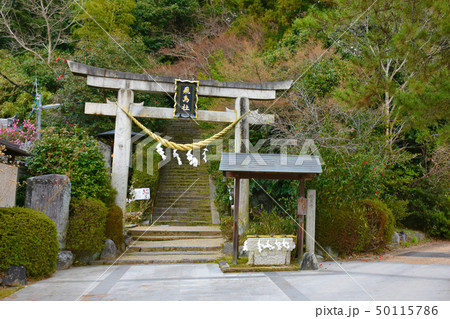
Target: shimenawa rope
{"type": "Point", "coordinates": [183, 147]}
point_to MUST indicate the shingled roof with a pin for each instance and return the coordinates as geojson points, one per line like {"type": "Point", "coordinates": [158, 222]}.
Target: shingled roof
{"type": "Point", "coordinates": [13, 149]}
{"type": "Point", "coordinates": [270, 166]}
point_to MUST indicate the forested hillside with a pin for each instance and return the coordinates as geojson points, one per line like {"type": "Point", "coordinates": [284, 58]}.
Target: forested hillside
{"type": "Point", "coordinates": [371, 84]}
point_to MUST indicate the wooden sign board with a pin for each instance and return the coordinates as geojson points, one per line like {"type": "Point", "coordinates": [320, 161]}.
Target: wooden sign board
{"type": "Point", "coordinates": [186, 97]}
{"type": "Point", "coordinates": [301, 206]}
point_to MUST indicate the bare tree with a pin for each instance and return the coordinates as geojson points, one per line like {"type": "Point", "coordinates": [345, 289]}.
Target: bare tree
{"type": "Point", "coordinates": [37, 26]}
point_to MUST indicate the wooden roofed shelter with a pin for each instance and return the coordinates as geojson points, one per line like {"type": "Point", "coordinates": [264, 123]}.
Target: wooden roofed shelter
{"type": "Point", "coordinates": [272, 166]}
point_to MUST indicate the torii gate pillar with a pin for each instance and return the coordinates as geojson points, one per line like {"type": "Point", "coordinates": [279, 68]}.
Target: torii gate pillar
{"type": "Point", "coordinates": [242, 145]}
{"type": "Point", "coordinates": [122, 148]}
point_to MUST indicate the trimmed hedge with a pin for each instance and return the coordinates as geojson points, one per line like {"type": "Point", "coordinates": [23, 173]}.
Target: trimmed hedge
{"type": "Point", "coordinates": [366, 226]}
{"type": "Point", "coordinates": [28, 238]}
{"type": "Point", "coordinates": [86, 231]}
{"type": "Point", "coordinates": [114, 225]}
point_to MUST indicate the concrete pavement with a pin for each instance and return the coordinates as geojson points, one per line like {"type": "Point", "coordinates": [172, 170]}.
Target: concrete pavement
{"type": "Point", "coordinates": [346, 281]}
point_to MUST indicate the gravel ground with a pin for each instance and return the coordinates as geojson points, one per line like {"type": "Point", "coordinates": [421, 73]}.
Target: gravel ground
{"type": "Point", "coordinates": [434, 252]}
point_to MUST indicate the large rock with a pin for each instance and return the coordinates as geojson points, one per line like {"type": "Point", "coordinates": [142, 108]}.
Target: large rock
{"type": "Point", "coordinates": [86, 258]}
{"type": "Point", "coordinates": [50, 194]}
{"type": "Point", "coordinates": [403, 237]}
{"type": "Point", "coordinates": [109, 251]}
{"type": "Point", "coordinates": [419, 236]}
{"type": "Point", "coordinates": [309, 262]}
{"type": "Point", "coordinates": [15, 276]}
{"type": "Point", "coordinates": [395, 239]}
{"type": "Point", "coordinates": [65, 259]}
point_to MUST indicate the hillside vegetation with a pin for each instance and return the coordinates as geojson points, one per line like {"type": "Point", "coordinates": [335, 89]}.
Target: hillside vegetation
{"type": "Point", "coordinates": [371, 85]}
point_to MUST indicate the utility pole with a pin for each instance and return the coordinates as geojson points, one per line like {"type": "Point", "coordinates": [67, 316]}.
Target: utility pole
{"type": "Point", "coordinates": [38, 116]}
{"type": "Point", "coordinates": [38, 113]}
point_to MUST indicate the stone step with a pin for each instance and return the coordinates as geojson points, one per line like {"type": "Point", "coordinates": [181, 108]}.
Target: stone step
{"type": "Point", "coordinates": [181, 210]}
{"type": "Point", "coordinates": [173, 252]}
{"type": "Point", "coordinates": [174, 222]}
{"type": "Point", "coordinates": [162, 238]}
{"type": "Point", "coordinates": [181, 188]}
{"type": "Point", "coordinates": [182, 171]}
{"type": "Point", "coordinates": [182, 206]}
{"type": "Point", "coordinates": [181, 221]}
{"type": "Point", "coordinates": [188, 196]}
{"type": "Point", "coordinates": [174, 194]}
{"type": "Point", "coordinates": [192, 182]}
{"type": "Point", "coordinates": [174, 214]}
{"type": "Point", "coordinates": [175, 231]}
{"type": "Point", "coordinates": [177, 245]}
{"type": "Point", "coordinates": [186, 180]}
{"type": "Point", "coordinates": [184, 199]}
{"type": "Point", "coordinates": [185, 176]}
{"type": "Point", "coordinates": [140, 258]}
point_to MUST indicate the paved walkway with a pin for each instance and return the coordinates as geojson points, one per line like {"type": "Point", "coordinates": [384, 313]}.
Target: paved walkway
{"type": "Point", "coordinates": [356, 280]}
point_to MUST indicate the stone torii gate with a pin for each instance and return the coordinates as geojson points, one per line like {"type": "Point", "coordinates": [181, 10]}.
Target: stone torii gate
{"type": "Point", "coordinates": [126, 83]}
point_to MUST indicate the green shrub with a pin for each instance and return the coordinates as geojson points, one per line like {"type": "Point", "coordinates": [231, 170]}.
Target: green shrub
{"type": "Point", "coordinates": [114, 225]}
{"type": "Point", "coordinates": [145, 175]}
{"type": "Point", "coordinates": [380, 223]}
{"type": "Point", "coordinates": [27, 238]}
{"type": "Point", "coordinates": [437, 223]}
{"type": "Point", "coordinates": [271, 223]}
{"type": "Point", "coordinates": [86, 231]}
{"type": "Point", "coordinates": [77, 155]}
{"type": "Point", "coordinates": [429, 205]}
{"type": "Point", "coordinates": [366, 226]}
{"type": "Point", "coordinates": [343, 229]}
{"type": "Point", "coordinates": [222, 197]}
{"type": "Point", "coordinates": [226, 226]}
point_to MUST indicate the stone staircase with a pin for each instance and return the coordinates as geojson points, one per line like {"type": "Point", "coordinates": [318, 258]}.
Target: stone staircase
{"type": "Point", "coordinates": [173, 244]}
{"type": "Point", "coordinates": [183, 192]}
{"type": "Point", "coordinates": [182, 230]}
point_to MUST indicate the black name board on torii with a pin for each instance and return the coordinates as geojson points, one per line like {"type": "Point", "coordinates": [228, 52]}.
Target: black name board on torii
{"type": "Point", "coordinates": [186, 97]}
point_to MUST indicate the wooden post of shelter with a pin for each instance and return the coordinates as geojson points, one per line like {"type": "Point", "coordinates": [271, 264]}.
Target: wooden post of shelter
{"type": "Point", "coordinates": [301, 212]}
{"type": "Point", "coordinates": [236, 221]}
